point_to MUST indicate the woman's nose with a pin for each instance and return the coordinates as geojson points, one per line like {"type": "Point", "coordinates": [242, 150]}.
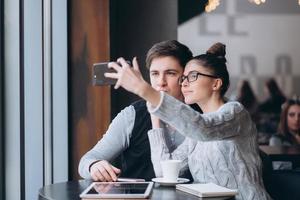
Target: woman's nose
{"type": "Point", "coordinates": [184, 83]}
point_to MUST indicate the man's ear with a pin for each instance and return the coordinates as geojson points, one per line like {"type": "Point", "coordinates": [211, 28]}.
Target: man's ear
{"type": "Point", "coordinates": [217, 84]}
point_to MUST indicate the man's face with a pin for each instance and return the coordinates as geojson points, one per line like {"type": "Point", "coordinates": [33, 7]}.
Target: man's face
{"type": "Point", "coordinates": [164, 75]}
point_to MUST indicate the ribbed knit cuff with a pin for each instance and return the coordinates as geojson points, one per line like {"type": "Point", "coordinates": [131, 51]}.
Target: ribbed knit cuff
{"type": "Point", "coordinates": [156, 136]}
{"type": "Point", "coordinates": [157, 141]}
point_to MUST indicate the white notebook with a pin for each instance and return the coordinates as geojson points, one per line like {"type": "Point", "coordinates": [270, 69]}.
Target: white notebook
{"type": "Point", "coordinates": [206, 190]}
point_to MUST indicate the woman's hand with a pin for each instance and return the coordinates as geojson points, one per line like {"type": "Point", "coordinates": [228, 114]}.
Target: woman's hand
{"type": "Point", "coordinates": [131, 79]}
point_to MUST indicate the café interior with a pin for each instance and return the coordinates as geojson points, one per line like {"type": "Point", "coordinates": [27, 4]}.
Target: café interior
{"type": "Point", "coordinates": [51, 113]}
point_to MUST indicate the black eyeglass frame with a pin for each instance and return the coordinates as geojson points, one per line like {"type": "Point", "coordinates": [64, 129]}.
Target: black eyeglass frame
{"type": "Point", "coordinates": [183, 77]}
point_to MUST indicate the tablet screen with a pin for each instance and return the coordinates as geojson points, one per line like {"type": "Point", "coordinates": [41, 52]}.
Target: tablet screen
{"type": "Point", "coordinates": [118, 189]}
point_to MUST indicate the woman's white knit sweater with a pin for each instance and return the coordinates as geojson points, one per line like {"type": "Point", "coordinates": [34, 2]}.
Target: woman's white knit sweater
{"type": "Point", "coordinates": [220, 147]}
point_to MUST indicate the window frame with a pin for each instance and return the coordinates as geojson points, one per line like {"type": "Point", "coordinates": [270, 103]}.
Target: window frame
{"type": "Point", "coordinates": [2, 174]}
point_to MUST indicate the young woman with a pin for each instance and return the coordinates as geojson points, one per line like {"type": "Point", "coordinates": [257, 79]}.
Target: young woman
{"type": "Point", "coordinates": [221, 143]}
{"type": "Point", "coordinates": [289, 125]}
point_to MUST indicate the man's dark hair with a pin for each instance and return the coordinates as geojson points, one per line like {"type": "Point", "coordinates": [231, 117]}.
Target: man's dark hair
{"type": "Point", "coordinates": [171, 48]}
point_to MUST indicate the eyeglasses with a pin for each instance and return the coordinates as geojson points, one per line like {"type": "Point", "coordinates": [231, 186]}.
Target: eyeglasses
{"type": "Point", "coordinates": [193, 76]}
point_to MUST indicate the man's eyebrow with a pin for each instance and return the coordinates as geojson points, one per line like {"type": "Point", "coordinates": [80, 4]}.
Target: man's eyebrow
{"type": "Point", "coordinates": [167, 70]}
{"type": "Point", "coordinates": [172, 70]}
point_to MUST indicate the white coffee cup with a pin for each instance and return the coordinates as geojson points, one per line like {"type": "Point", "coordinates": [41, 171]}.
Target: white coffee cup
{"type": "Point", "coordinates": [170, 169]}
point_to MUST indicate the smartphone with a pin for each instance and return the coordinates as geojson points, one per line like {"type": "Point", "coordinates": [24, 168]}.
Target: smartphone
{"type": "Point", "coordinates": [98, 74]}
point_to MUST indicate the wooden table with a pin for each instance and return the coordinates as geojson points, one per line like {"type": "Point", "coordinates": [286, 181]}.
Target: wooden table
{"type": "Point", "coordinates": [71, 190]}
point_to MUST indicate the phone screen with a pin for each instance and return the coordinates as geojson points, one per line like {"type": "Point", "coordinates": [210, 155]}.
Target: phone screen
{"type": "Point", "coordinates": [98, 74]}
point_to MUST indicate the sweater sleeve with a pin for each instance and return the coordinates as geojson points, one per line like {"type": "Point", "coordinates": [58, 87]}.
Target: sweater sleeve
{"type": "Point", "coordinates": [115, 140]}
{"type": "Point", "coordinates": [226, 122]}
{"type": "Point", "coordinates": [160, 151]}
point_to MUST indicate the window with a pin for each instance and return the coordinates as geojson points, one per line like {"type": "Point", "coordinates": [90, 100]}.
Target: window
{"type": "Point", "coordinates": [1, 103]}
{"type": "Point", "coordinates": [35, 96]}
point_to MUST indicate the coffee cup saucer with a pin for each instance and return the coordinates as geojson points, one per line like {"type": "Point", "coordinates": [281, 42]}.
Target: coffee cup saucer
{"type": "Point", "coordinates": [164, 182]}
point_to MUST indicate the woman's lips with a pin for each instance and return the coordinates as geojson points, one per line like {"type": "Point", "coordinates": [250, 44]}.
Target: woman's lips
{"type": "Point", "coordinates": [295, 126]}
{"type": "Point", "coordinates": [186, 92]}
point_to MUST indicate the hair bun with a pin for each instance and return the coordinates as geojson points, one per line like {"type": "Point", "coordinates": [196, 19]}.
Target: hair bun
{"type": "Point", "coordinates": [218, 49]}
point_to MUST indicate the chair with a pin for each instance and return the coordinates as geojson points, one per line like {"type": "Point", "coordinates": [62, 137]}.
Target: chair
{"type": "Point", "coordinates": [280, 184]}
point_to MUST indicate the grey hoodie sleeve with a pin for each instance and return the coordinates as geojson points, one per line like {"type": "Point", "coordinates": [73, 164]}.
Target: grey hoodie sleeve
{"type": "Point", "coordinates": [115, 140]}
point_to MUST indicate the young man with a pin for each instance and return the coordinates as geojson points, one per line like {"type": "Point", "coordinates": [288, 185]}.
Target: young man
{"type": "Point", "coordinates": [127, 134]}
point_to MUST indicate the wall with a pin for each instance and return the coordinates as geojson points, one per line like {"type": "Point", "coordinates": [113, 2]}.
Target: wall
{"type": "Point", "coordinates": [135, 26]}
{"type": "Point", "coordinates": [89, 106]}
{"type": "Point", "coordinates": [262, 41]}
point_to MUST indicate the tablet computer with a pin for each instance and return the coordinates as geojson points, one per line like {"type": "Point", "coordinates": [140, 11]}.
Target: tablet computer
{"type": "Point", "coordinates": [125, 190]}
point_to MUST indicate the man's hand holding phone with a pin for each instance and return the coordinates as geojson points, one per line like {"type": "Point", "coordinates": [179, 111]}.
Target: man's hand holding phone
{"type": "Point", "coordinates": [104, 171]}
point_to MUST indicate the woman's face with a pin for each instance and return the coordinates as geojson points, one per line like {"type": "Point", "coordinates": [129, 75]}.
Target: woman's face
{"type": "Point", "coordinates": [293, 118]}
{"type": "Point", "coordinates": [199, 90]}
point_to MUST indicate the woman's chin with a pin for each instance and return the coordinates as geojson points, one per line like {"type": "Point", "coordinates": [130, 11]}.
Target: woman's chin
{"type": "Point", "coordinates": [188, 101]}
{"type": "Point", "coordinates": [295, 130]}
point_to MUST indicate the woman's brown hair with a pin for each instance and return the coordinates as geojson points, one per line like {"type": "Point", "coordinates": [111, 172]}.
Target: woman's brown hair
{"type": "Point", "coordinates": [283, 128]}
{"type": "Point", "coordinates": [214, 60]}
